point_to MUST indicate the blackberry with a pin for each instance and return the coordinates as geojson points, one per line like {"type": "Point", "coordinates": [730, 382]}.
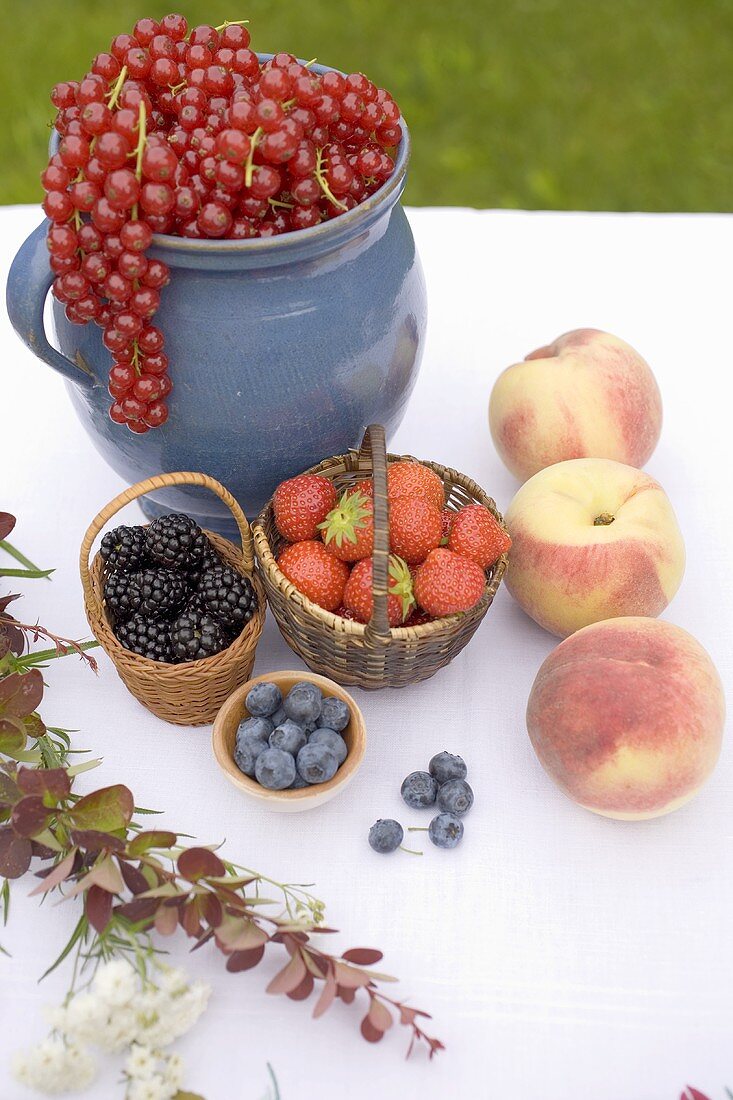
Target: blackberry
{"type": "Point", "coordinates": [161, 592]}
{"type": "Point", "coordinates": [122, 596]}
{"type": "Point", "coordinates": [123, 549]}
{"type": "Point", "coordinates": [148, 637]}
{"type": "Point", "coordinates": [194, 636]}
{"type": "Point", "coordinates": [176, 542]}
{"type": "Point", "coordinates": [228, 596]}
{"type": "Point", "coordinates": [209, 560]}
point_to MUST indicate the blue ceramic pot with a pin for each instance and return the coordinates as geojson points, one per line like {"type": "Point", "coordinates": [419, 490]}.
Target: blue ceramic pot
{"type": "Point", "coordinates": [282, 350]}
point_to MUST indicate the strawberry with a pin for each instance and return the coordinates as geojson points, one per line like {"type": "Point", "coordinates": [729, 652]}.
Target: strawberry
{"type": "Point", "coordinates": [366, 488]}
{"type": "Point", "coordinates": [314, 572]}
{"type": "Point", "coordinates": [412, 479]}
{"type": "Point", "coordinates": [447, 583]}
{"type": "Point", "coordinates": [447, 516]}
{"type": "Point", "coordinates": [345, 613]}
{"type": "Point", "coordinates": [348, 530]}
{"type": "Point", "coordinates": [417, 618]}
{"type": "Point", "coordinates": [415, 528]}
{"type": "Point", "coordinates": [300, 504]}
{"type": "Point", "coordinates": [358, 592]}
{"type": "Point", "coordinates": [478, 536]}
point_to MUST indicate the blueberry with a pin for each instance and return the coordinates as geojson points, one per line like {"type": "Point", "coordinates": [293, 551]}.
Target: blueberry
{"type": "Point", "coordinates": [275, 769]}
{"type": "Point", "coordinates": [303, 704]}
{"type": "Point", "coordinates": [386, 835]}
{"type": "Point", "coordinates": [297, 783]}
{"type": "Point", "coordinates": [289, 736]}
{"type": "Point", "coordinates": [455, 797]}
{"type": "Point", "coordinates": [445, 766]}
{"type": "Point", "coordinates": [247, 753]}
{"type": "Point", "coordinates": [334, 741]}
{"type": "Point", "coordinates": [419, 790]}
{"type": "Point", "coordinates": [278, 717]}
{"type": "Point", "coordinates": [445, 830]}
{"type": "Point", "coordinates": [263, 699]}
{"type": "Point", "coordinates": [317, 763]}
{"type": "Point", "coordinates": [257, 728]}
{"type": "Point", "coordinates": [335, 714]}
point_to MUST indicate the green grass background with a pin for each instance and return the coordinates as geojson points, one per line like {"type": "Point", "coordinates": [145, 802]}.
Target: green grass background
{"type": "Point", "coordinates": [560, 104]}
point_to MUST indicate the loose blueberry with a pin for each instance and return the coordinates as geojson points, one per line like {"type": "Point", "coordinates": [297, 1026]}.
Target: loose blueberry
{"type": "Point", "coordinates": [303, 704]}
{"type": "Point", "coordinates": [386, 835]}
{"type": "Point", "coordinates": [258, 729]}
{"type": "Point", "coordinates": [455, 797]}
{"type": "Point", "coordinates": [446, 766]}
{"type": "Point", "coordinates": [445, 830]}
{"type": "Point", "coordinates": [317, 763]}
{"type": "Point", "coordinates": [263, 699]}
{"type": "Point", "coordinates": [334, 741]}
{"type": "Point", "coordinates": [419, 790]}
{"type": "Point", "coordinates": [247, 753]}
{"type": "Point", "coordinates": [335, 714]}
{"type": "Point", "coordinates": [290, 737]}
{"type": "Point", "coordinates": [275, 769]}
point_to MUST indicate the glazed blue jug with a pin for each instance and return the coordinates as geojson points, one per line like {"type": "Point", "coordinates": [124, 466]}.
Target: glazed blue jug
{"type": "Point", "coordinates": [281, 350]}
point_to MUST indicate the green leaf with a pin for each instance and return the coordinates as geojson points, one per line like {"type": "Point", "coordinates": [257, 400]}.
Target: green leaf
{"type": "Point", "coordinates": [182, 1095]}
{"type": "Point", "coordinates": [15, 553]}
{"type": "Point", "coordinates": [153, 839]}
{"type": "Point", "coordinates": [12, 740]}
{"type": "Point", "coordinates": [106, 810]}
{"type": "Point", "coordinates": [79, 933]}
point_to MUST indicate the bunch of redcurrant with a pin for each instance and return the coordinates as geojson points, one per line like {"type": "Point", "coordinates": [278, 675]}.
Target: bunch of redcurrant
{"type": "Point", "coordinates": [188, 134]}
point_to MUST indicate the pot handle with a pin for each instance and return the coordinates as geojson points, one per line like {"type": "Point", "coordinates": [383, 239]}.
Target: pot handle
{"type": "Point", "coordinates": [29, 281]}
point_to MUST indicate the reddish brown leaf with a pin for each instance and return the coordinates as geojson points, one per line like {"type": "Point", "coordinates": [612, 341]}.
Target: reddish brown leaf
{"type": "Point", "coordinates": [346, 995]}
{"type": "Point", "coordinates": [134, 879]}
{"type": "Point", "coordinates": [9, 792]}
{"type": "Point", "coordinates": [15, 854]}
{"type": "Point", "coordinates": [349, 977]}
{"type": "Point", "coordinates": [239, 934]}
{"type": "Point", "coordinates": [107, 809]}
{"type": "Point", "coordinates": [98, 908]}
{"type": "Point", "coordinates": [196, 863]}
{"type": "Point", "coordinates": [363, 956]}
{"type": "Point", "coordinates": [212, 911]}
{"type": "Point", "coordinates": [138, 909]}
{"type": "Point", "coordinates": [289, 977]}
{"type": "Point", "coordinates": [91, 840]}
{"type": "Point", "coordinates": [693, 1094]}
{"type": "Point", "coordinates": [7, 523]}
{"type": "Point", "coordinates": [56, 875]}
{"type": "Point", "coordinates": [208, 935]}
{"type": "Point", "coordinates": [326, 999]}
{"type": "Point", "coordinates": [20, 693]}
{"type": "Point", "coordinates": [30, 816]}
{"type": "Point", "coordinates": [41, 781]}
{"type": "Point", "coordinates": [303, 991]}
{"type": "Point", "coordinates": [189, 919]}
{"type": "Point", "coordinates": [380, 1016]}
{"type": "Point", "coordinates": [370, 1032]}
{"type": "Point", "coordinates": [105, 874]}
{"type": "Point", "coordinates": [244, 960]}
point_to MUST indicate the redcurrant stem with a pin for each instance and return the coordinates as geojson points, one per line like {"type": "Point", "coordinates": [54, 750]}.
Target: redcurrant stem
{"type": "Point", "coordinates": [141, 139]}
{"type": "Point", "coordinates": [249, 163]}
{"type": "Point", "coordinates": [114, 95]}
{"type": "Point", "coordinates": [232, 23]}
{"type": "Point", "coordinates": [277, 202]}
{"type": "Point", "coordinates": [322, 182]}
{"type": "Point", "coordinates": [311, 62]}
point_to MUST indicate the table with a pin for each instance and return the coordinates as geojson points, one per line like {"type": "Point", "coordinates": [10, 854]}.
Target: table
{"type": "Point", "coordinates": [563, 956]}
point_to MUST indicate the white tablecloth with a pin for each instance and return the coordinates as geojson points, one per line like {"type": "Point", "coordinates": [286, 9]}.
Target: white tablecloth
{"type": "Point", "coordinates": [562, 955]}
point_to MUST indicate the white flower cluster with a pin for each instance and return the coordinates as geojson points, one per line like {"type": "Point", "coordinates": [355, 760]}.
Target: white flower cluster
{"type": "Point", "coordinates": [119, 1011]}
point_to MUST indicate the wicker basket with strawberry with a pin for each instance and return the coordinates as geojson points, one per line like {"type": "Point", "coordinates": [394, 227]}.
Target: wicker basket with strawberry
{"type": "Point", "coordinates": [379, 568]}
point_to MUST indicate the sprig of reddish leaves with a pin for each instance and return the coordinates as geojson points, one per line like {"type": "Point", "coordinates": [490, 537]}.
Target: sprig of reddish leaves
{"type": "Point", "coordinates": [133, 882]}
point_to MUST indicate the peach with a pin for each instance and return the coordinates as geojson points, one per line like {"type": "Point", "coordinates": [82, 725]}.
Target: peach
{"type": "Point", "coordinates": [626, 716]}
{"type": "Point", "coordinates": [592, 539]}
{"type": "Point", "coordinates": [586, 395]}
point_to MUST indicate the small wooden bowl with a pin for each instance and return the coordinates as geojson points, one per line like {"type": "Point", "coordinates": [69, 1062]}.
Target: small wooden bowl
{"type": "Point", "coordinates": [305, 798]}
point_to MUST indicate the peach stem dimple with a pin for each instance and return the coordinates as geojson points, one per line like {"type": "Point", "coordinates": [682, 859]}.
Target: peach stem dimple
{"type": "Point", "coordinates": [603, 520]}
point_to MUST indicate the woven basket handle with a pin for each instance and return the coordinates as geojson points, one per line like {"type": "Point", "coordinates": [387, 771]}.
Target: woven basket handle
{"type": "Point", "coordinates": [162, 481]}
{"type": "Point", "coordinates": [374, 447]}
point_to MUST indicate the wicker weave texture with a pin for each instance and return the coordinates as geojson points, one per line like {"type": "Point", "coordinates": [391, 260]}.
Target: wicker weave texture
{"type": "Point", "coordinates": [371, 656]}
{"type": "Point", "coordinates": [187, 694]}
